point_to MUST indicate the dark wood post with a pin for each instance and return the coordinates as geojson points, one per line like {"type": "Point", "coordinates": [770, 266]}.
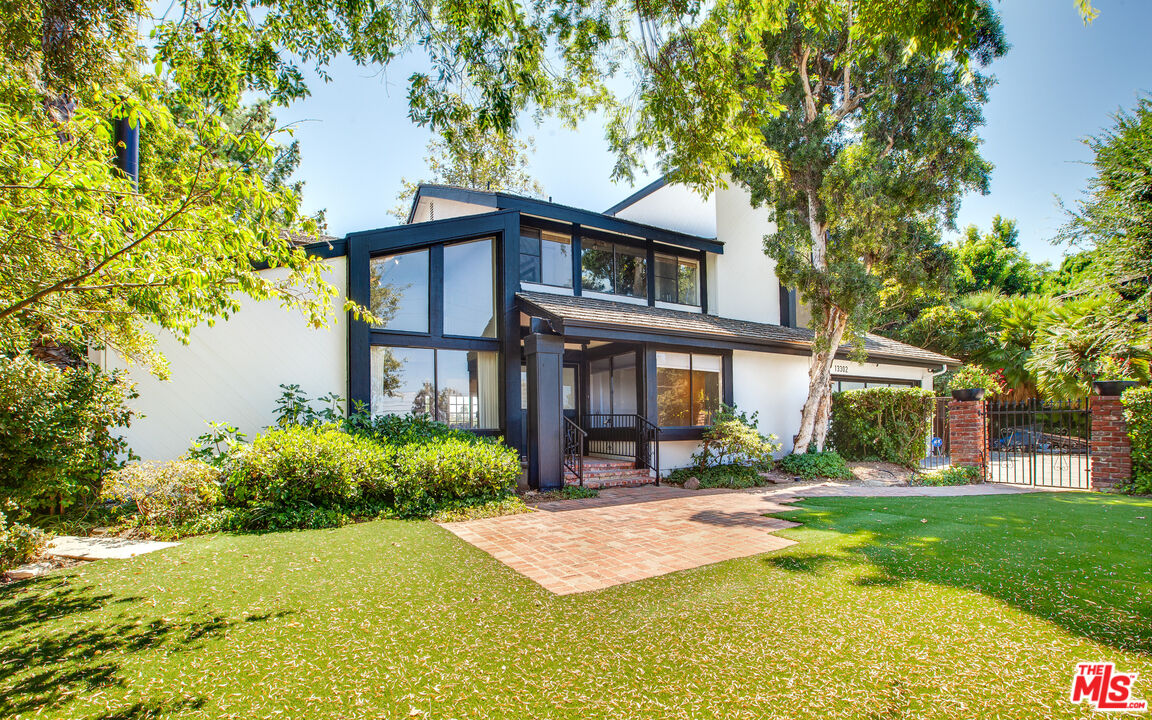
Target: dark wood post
{"type": "Point", "coordinates": [544, 355]}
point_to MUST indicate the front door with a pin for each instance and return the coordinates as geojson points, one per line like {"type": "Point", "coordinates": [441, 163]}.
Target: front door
{"type": "Point", "coordinates": [570, 391]}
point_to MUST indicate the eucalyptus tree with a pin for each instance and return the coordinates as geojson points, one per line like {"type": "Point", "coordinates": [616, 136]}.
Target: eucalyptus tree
{"type": "Point", "coordinates": [854, 121]}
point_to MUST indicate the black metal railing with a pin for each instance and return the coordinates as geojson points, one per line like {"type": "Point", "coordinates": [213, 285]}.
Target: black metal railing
{"type": "Point", "coordinates": [624, 436]}
{"type": "Point", "coordinates": [1039, 443]}
{"type": "Point", "coordinates": [574, 440]}
{"type": "Point", "coordinates": [938, 452]}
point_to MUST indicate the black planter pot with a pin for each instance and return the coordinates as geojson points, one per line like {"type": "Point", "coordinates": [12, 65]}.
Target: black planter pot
{"type": "Point", "coordinates": [968, 395]}
{"type": "Point", "coordinates": [1112, 388]}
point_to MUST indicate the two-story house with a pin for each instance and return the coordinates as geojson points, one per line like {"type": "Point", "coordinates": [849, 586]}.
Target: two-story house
{"type": "Point", "coordinates": [611, 336]}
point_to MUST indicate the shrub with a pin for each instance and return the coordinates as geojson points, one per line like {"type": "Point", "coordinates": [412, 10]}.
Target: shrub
{"type": "Point", "coordinates": [889, 424]}
{"type": "Point", "coordinates": [405, 429]}
{"type": "Point", "coordinates": [955, 475]}
{"type": "Point", "coordinates": [430, 473]}
{"type": "Point", "coordinates": [56, 431]}
{"type": "Point", "coordinates": [812, 465]}
{"type": "Point", "coordinates": [734, 440]}
{"type": "Point", "coordinates": [166, 494]}
{"type": "Point", "coordinates": [1138, 415]}
{"type": "Point", "coordinates": [734, 477]}
{"type": "Point", "coordinates": [298, 467]}
{"type": "Point", "coordinates": [214, 446]}
{"type": "Point", "coordinates": [19, 543]}
{"type": "Point", "coordinates": [971, 377]}
{"type": "Point", "coordinates": [294, 407]}
{"type": "Point", "coordinates": [476, 509]}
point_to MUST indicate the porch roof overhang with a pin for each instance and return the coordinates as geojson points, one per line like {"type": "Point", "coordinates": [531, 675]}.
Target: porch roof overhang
{"type": "Point", "coordinates": [598, 319]}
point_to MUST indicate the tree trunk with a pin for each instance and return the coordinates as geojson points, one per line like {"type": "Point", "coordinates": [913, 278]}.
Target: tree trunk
{"type": "Point", "coordinates": [814, 416]}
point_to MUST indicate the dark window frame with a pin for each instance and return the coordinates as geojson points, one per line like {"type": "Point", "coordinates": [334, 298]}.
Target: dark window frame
{"type": "Point", "coordinates": [539, 255]}
{"type": "Point", "coordinates": [686, 432]}
{"type": "Point", "coordinates": [436, 349]}
{"type": "Point", "coordinates": [677, 259]}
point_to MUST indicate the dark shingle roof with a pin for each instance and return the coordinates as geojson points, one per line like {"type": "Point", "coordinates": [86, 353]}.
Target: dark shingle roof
{"type": "Point", "coordinates": [594, 312]}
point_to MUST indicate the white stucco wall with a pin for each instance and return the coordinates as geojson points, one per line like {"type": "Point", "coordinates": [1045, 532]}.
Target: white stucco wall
{"type": "Point", "coordinates": [232, 372]}
{"type": "Point", "coordinates": [776, 386]}
{"type": "Point", "coordinates": [748, 288]}
{"type": "Point", "coordinates": [675, 207]}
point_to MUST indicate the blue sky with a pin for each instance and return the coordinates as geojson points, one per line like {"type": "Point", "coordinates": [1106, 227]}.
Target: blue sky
{"type": "Point", "coordinates": [1060, 82]}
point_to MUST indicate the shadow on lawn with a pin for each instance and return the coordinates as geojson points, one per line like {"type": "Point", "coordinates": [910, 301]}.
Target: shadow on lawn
{"type": "Point", "coordinates": [59, 640]}
{"type": "Point", "coordinates": [1057, 558]}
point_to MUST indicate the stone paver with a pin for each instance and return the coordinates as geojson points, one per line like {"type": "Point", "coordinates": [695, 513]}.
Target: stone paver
{"type": "Point", "coordinates": [102, 548]}
{"type": "Point", "coordinates": [625, 535]}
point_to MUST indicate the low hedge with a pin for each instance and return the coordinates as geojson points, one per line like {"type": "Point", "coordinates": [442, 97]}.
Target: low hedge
{"type": "Point", "coordinates": [1138, 415]}
{"type": "Point", "coordinates": [889, 424]}
{"type": "Point", "coordinates": [320, 475]}
{"type": "Point", "coordinates": [812, 465]}
{"type": "Point", "coordinates": [19, 543]}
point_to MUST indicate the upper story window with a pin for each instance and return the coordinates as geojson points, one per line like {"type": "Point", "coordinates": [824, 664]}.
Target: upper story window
{"type": "Point", "coordinates": [545, 257]}
{"type": "Point", "coordinates": [612, 268]}
{"type": "Point", "coordinates": [688, 388]}
{"type": "Point", "coordinates": [470, 289]}
{"type": "Point", "coordinates": [399, 286]}
{"type": "Point", "coordinates": [677, 280]}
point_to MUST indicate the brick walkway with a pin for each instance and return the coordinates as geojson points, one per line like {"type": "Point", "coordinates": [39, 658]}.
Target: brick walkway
{"type": "Point", "coordinates": [630, 534]}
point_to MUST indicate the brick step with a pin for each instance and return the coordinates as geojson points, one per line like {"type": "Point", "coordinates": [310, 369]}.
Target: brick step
{"type": "Point", "coordinates": [610, 474]}
{"type": "Point", "coordinates": [601, 483]}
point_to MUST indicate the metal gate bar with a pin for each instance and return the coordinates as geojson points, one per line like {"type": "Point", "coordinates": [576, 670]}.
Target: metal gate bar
{"type": "Point", "coordinates": [1039, 443]}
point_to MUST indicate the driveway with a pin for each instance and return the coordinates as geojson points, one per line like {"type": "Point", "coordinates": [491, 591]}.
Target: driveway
{"type": "Point", "coordinates": [630, 534]}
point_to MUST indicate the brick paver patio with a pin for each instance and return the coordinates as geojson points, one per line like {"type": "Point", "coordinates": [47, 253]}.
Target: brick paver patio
{"type": "Point", "coordinates": [630, 534]}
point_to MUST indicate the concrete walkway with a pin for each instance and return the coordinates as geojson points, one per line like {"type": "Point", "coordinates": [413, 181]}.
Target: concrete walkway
{"type": "Point", "coordinates": [629, 534]}
{"type": "Point", "coordinates": [102, 548]}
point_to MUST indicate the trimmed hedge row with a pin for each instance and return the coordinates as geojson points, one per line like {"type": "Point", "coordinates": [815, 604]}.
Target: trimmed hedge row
{"type": "Point", "coordinates": [1138, 414]}
{"type": "Point", "coordinates": [889, 424]}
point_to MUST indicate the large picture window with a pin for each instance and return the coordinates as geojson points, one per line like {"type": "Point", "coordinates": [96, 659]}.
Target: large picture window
{"type": "Point", "coordinates": [688, 388]}
{"type": "Point", "coordinates": [611, 268]}
{"type": "Point", "coordinates": [677, 280]}
{"type": "Point", "coordinates": [545, 257]}
{"type": "Point", "coordinates": [469, 289]}
{"type": "Point", "coordinates": [399, 290]}
{"type": "Point", "coordinates": [456, 387]}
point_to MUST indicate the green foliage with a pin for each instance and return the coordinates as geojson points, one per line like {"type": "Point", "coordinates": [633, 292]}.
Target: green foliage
{"type": "Point", "coordinates": [1138, 415]}
{"type": "Point", "coordinates": [57, 428]}
{"type": "Point", "coordinates": [955, 475]}
{"type": "Point", "coordinates": [974, 377]}
{"type": "Point", "coordinates": [994, 261]}
{"type": "Point", "coordinates": [734, 440]}
{"type": "Point", "coordinates": [19, 543]}
{"type": "Point", "coordinates": [214, 446]}
{"type": "Point", "coordinates": [813, 464]}
{"type": "Point", "coordinates": [1080, 336]}
{"type": "Point", "coordinates": [405, 429]}
{"type": "Point", "coordinates": [889, 424]}
{"type": "Point", "coordinates": [166, 494]}
{"type": "Point", "coordinates": [1112, 368]}
{"type": "Point", "coordinates": [568, 492]}
{"type": "Point", "coordinates": [294, 407]}
{"type": "Point", "coordinates": [447, 470]}
{"type": "Point", "coordinates": [295, 467]}
{"type": "Point", "coordinates": [735, 477]}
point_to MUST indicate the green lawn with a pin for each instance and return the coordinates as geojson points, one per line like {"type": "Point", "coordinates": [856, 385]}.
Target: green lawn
{"type": "Point", "coordinates": [887, 608]}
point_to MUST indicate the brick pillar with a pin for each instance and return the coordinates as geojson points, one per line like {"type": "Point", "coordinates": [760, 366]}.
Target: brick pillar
{"type": "Point", "coordinates": [1111, 447]}
{"type": "Point", "coordinates": [967, 434]}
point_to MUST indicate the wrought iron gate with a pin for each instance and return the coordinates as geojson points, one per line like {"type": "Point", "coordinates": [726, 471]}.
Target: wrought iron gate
{"type": "Point", "coordinates": [938, 452]}
{"type": "Point", "coordinates": [1039, 443]}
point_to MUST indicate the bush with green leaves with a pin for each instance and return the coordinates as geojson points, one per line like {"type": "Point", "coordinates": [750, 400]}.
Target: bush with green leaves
{"type": "Point", "coordinates": [294, 407]}
{"type": "Point", "coordinates": [306, 466]}
{"type": "Point", "coordinates": [813, 464]}
{"type": "Point", "coordinates": [733, 440]}
{"type": "Point", "coordinates": [405, 429]}
{"type": "Point", "coordinates": [166, 494]}
{"type": "Point", "coordinates": [19, 543]}
{"type": "Point", "coordinates": [955, 475]}
{"type": "Point", "coordinates": [735, 477]}
{"type": "Point", "coordinates": [214, 446]}
{"type": "Point", "coordinates": [57, 431]}
{"type": "Point", "coordinates": [427, 474]}
{"type": "Point", "coordinates": [1137, 404]}
{"type": "Point", "coordinates": [883, 423]}
{"type": "Point", "coordinates": [974, 377]}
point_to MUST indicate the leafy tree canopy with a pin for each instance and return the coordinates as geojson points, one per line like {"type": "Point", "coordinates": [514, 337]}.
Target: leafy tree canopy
{"type": "Point", "coordinates": [994, 261]}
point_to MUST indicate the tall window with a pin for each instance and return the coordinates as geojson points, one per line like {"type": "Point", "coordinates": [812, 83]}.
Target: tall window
{"type": "Point", "coordinates": [612, 387]}
{"type": "Point", "coordinates": [399, 290]}
{"type": "Point", "coordinates": [617, 269]}
{"type": "Point", "coordinates": [469, 289]}
{"type": "Point", "coordinates": [688, 388]}
{"type": "Point", "coordinates": [457, 387]}
{"type": "Point", "coordinates": [677, 280]}
{"type": "Point", "coordinates": [545, 257]}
